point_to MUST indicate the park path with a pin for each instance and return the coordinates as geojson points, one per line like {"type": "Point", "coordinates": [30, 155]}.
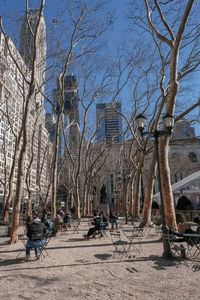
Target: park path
{"type": "Point", "coordinates": [85, 269]}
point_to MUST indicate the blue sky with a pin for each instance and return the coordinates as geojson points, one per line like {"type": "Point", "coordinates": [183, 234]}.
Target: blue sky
{"type": "Point", "coordinates": [13, 9]}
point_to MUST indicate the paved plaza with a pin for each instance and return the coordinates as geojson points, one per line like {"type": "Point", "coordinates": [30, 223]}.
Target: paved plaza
{"type": "Point", "coordinates": [76, 268]}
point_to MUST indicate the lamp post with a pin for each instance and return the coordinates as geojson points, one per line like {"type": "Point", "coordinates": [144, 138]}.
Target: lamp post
{"type": "Point", "coordinates": [168, 122]}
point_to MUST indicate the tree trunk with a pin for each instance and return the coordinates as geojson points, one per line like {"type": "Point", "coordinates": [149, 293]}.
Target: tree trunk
{"type": "Point", "coordinates": [5, 212]}
{"type": "Point", "coordinates": [22, 152]}
{"type": "Point", "coordinates": [77, 201]}
{"type": "Point", "coordinates": [29, 204]}
{"type": "Point", "coordinates": [54, 168]}
{"type": "Point", "coordinates": [84, 207]}
{"type": "Point", "coordinates": [131, 197]}
{"type": "Point", "coordinates": [137, 187]}
{"type": "Point", "coordinates": [66, 204]}
{"type": "Point", "coordinates": [125, 196]}
{"type": "Point", "coordinates": [88, 204]}
{"type": "Point", "coordinates": [148, 195]}
{"type": "Point", "coordinates": [166, 184]}
{"type": "Point", "coordinates": [20, 177]}
{"type": "Point", "coordinates": [136, 195]}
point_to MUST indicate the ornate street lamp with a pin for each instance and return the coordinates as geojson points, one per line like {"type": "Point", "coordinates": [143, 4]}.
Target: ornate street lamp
{"type": "Point", "coordinates": [168, 120]}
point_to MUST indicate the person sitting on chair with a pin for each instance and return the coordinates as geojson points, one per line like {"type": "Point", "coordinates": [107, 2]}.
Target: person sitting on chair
{"type": "Point", "coordinates": [67, 219]}
{"type": "Point", "coordinates": [97, 224]}
{"type": "Point", "coordinates": [28, 222]}
{"type": "Point", "coordinates": [44, 220]}
{"type": "Point", "coordinates": [104, 223]}
{"type": "Point", "coordinates": [57, 224]}
{"type": "Point", "coordinates": [113, 219]}
{"type": "Point", "coordinates": [35, 233]}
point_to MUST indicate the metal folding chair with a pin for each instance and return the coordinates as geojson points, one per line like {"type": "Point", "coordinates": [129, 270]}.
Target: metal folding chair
{"type": "Point", "coordinates": [120, 246]}
{"type": "Point", "coordinates": [103, 231]}
{"type": "Point", "coordinates": [42, 248]}
{"type": "Point", "coordinates": [149, 230]}
{"type": "Point", "coordinates": [134, 235]}
{"type": "Point", "coordinates": [75, 225]}
{"type": "Point", "coordinates": [193, 244]}
{"type": "Point", "coordinates": [177, 251]}
{"type": "Point", "coordinates": [158, 230]}
{"type": "Point", "coordinates": [138, 231]}
{"type": "Point", "coordinates": [23, 238]}
{"type": "Point", "coordinates": [64, 229]}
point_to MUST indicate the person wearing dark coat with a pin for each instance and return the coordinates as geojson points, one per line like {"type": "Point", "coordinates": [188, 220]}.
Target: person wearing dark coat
{"type": "Point", "coordinates": [67, 219]}
{"type": "Point", "coordinates": [45, 221]}
{"type": "Point", "coordinates": [113, 219]}
{"type": "Point", "coordinates": [97, 225]}
{"type": "Point", "coordinates": [28, 222]}
{"type": "Point", "coordinates": [35, 234]}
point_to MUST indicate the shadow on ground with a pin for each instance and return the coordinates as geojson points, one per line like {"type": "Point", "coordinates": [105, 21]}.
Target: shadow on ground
{"type": "Point", "coordinates": [12, 261]}
{"type": "Point", "coordinates": [159, 263]}
{"type": "Point", "coordinates": [103, 256]}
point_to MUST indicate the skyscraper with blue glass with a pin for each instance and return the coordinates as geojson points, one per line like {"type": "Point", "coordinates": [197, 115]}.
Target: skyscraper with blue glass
{"type": "Point", "coordinates": [109, 122]}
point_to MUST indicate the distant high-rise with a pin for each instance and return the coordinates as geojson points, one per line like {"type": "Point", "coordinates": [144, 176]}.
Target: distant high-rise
{"type": "Point", "coordinates": [26, 46]}
{"type": "Point", "coordinates": [109, 123]}
{"type": "Point", "coordinates": [70, 113]}
{"type": "Point", "coordinates": [50, 123]}
{"type": "Point", "coordinates": [71, 106]}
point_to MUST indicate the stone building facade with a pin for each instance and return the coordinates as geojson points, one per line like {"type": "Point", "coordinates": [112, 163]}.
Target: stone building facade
{"type": "Point", "coordinates": [184, 160]}
{"type": "Point", "coordinates": [13, 92]}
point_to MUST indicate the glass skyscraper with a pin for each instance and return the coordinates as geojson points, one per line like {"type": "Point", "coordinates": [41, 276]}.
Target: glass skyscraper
{"type": "Point", "coordinates": [109, 123]}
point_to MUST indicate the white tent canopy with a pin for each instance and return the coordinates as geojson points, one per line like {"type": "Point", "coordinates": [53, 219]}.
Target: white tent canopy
{"type": "Point", "coordinates": [180, 183]}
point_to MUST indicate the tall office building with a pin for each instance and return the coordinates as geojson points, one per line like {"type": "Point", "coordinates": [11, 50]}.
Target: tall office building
{"type": "Point", "coordinates": [70, 114]}
{"type": "Point", "coordinates": [69, 131]}
{"type": "Point", "coordinates": [26, 46]}
{"type": "Point", "coordinates": [13, 91]}
{"type": "Point", "coordinates": [109, 123]}
{"type": "Point", "coordinates": [50, 125]}
{"type": "Point", "coordinates": [71, 109]}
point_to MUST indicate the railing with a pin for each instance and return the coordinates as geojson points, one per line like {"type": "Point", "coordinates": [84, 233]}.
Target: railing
{"type": "Point", "coordinates": [180, 183]}
{"type": "Point", "coordinates": [3, 230]}
{"type": "Point", "coordinates": [189, 214]}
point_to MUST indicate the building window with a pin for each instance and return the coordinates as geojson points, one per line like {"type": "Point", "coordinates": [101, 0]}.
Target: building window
{"type": "Point", "coordinates": [175, 177]}
{"type": "Point", "coordinates": [193, 157]}
{"type": "Point", "coordinates": [0, 90]}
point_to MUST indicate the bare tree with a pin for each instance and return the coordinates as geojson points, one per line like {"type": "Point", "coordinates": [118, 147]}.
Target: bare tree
{"type": "Point", "coordinates": [31, 83]}
{"type": "Point", "coordinates": [82, 42]}
{"type": "Point", "coordinates": [173, 41]}
{"type": "Point", "coordinates": [10, 120]}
